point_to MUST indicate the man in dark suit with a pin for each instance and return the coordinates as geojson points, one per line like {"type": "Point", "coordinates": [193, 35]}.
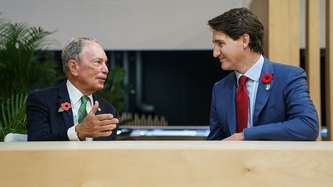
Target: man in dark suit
{"type": "Point", "coordinates": [59, 113]}
{"type": "Point", "coordinates": [278, 105]}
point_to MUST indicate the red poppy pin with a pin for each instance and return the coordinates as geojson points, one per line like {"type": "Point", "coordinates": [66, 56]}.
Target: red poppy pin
{"type": "Point", "coordinates": [266, 79]}
{"type": "Point", "coordinates": [64, 107]}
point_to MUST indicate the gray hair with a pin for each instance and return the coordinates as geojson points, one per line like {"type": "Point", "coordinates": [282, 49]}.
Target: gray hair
{"type": "Point", "coordinates": [73, 49]}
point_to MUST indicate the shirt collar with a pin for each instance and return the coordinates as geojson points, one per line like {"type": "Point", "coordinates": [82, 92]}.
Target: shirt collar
{"type": "Point", "coordinates": [254, 72]}
{"type": "Point", "coordinates": [75, 94]}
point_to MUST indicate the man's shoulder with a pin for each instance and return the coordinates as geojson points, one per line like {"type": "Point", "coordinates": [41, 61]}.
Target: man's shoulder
{"type": "Point", "coordinates": [48, 92]}
{"type": "Point", "coordinates": [284, 67]}
{"type": "Point", "coordinates": [227, 79]}
{"type": "Point", "coordinates": [105, 104]}
{"type": "Point", "coordinates": [50, 89]}
{"type": "Point", "coordinates": [286, 71]}
{"type": "Point", "coordinates": [101, 100]}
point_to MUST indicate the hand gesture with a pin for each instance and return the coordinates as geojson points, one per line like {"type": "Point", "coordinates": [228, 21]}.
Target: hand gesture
{"type": "Point", "coordinates": [94, 126]}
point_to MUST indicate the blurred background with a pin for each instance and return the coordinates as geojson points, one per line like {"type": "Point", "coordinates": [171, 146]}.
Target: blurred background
{"type": "Point", "coordinates": [160, 51]}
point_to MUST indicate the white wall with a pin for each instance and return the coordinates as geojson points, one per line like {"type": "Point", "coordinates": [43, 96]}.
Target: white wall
{"type": "Point", "coordinates": [132, 24]}
{"type": "Point", "coordinates": [123, 24]}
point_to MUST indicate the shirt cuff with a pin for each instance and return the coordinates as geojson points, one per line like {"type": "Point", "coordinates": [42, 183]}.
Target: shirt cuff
{"type": "Point", "coordinates": [72, 134]}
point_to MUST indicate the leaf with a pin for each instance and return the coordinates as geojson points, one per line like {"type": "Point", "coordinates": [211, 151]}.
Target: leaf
{"type": "Point", "coordinates": [19, 45]}
{"type": "Point", "coordinates": [13, 115]}
{"type": "Point", "coordinates": [114, 89]}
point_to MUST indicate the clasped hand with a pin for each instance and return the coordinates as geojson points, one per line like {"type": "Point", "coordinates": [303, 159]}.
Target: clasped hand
{"type": "Point", "coordinates": [235, 137]}
{"type": "Point", "coordinates": [94, 126]}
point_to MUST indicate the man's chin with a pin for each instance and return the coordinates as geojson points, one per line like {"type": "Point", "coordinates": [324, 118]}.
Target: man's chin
{"type": "Point", "coordinates": [225, 68]}
{"type": "Point", "coordinates": [99, 87]}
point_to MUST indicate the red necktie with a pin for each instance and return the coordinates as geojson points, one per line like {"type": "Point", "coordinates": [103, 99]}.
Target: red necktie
{"type": "Point", "coordinates": [242, 104]}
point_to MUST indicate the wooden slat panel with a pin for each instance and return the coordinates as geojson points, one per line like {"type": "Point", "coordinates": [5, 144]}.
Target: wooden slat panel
{"type": "Point", "coordinates": [281, 22]}
{"type": "Point", "coordinates": [329, 68]}
{"type": "Point", "coordinates": [294, 32]}
{"type": "Point", "coordinates": [283, 31]}
{"type": "Point", "coordinates": [260, 9]}
{"type": "Point", "coordinates": [312, 59]}
{"type": "Point", "coordinates": [278, 28]}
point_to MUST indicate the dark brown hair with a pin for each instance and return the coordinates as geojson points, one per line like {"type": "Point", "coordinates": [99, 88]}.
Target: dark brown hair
{"type": "Point", "coordinates": [239, 21]}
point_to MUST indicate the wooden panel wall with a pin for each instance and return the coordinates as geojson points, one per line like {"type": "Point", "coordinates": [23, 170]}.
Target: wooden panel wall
{"type": "Point", "coordinates": [283, 31]}
{"type": "Point", "coordinates": [312, 57]}
{"type": "Point", "coordinates": [281, 19]}
{"type": "Point", "coordinates": [329, 68]}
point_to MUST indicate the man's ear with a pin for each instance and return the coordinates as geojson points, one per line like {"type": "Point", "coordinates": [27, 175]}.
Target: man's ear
{"type": "Point", "coordinates": [245, 40]}
{"type": "Point", "coordinates": [73, 67]}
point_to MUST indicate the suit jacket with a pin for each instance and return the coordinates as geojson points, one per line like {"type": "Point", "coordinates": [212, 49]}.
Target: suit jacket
{"type": "Point", "coordinates": [45, 123]}
{"type": "Point", "coordinates": [284, 112]}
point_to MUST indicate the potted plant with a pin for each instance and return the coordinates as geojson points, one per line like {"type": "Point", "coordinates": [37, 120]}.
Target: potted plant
{"type": "Point", "coordinates": [23, 71]}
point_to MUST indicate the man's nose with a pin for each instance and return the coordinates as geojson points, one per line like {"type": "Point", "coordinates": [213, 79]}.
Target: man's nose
{"type": "Point", "coordinates": [216, 52]}
{"type": "Point", "coordinates": [105, 68]}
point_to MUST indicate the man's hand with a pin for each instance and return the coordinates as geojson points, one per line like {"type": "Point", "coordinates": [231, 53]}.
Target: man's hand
{"type": "Point", "coordinates": [235, 137]}
{"type": "Point", "coordinates": [94, 126]}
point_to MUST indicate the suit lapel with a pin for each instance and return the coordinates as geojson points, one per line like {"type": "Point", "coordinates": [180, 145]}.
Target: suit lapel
{"type": "Point", "coordinates": [262, 93]}
{"type": "Point", "coordinates": [230, 102]}
{"type": "Point", "coordinates": [99, 110]}
{"type": "Point", "coordinates": [64, 97]}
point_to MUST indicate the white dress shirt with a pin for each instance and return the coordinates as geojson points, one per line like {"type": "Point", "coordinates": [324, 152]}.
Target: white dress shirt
{"type": "Point", "coordinates": [75, 100]}
{"type": "Point", "coordinates": [252, 86]}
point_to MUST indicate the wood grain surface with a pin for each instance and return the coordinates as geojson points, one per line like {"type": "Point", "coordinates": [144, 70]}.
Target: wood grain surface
{"type": "Point", "coordinates": [166, 163]}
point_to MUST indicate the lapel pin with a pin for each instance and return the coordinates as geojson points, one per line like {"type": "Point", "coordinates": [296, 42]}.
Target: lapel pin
{"type": "Point", "coordinates": [267, 86]}
{"type": "Point", "coordinates": [266, 79]}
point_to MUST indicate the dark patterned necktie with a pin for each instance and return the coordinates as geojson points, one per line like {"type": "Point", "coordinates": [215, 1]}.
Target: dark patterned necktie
{"type": "Point", "coordinates": [242, 104]}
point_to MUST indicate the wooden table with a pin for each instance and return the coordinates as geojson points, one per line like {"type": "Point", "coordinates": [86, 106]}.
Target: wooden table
{"type": "Point", "coordinates": [166, 164]}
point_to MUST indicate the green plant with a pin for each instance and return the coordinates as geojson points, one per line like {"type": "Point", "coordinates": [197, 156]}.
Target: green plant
{"type": "Point", "coordinates": [114, 89]}
{"type": "Point", "coordinates": [13, 115]}
{"type": "Point", "coordinates": [25, 66]}
{"type": "Point", "coordinates": [22, 71]}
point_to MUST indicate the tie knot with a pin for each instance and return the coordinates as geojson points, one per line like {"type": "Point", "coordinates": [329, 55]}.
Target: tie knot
{"type": "Point", "coordinates": [242, 80]}
{"type": "Point", "coordinates": [84, 99]}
